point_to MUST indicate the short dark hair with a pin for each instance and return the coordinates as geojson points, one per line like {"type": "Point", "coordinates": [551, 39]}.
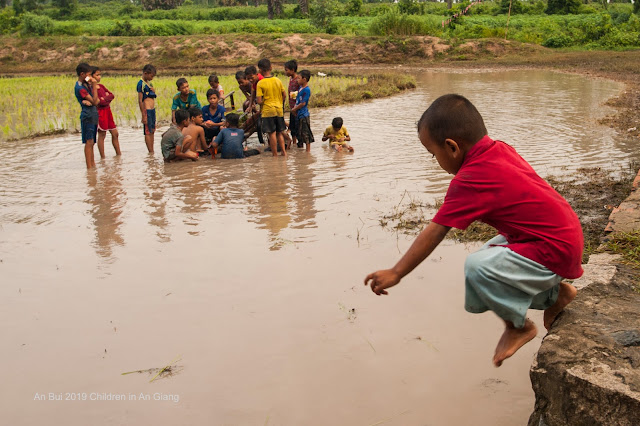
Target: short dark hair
{"type": "Point", "coordinates": [291, 65]}
{"type": "Point", "coordinates": [240, 75]}
{"type": "Point", "coordinates": [213, 79]}
{"type": "Point", "coordinates": [337, 122]}
{"type": "Point", "coordinates": [453, 117]}
{"type": "Point", "coordinates": [213, 92]}
{"type": "Point", "coordinates": [83, 67]}
{"type": "Point", "coordinates": [182, 115]}
{"type": "Point", "coordinates": [250, 70]}
{"type": "Point", "coordinates": [180, 82]}
{"type": "Point", "coordinates": [233, 119]}
{"type": "Point", "coordinates": [264, 64]}
{"type": "Point", "coordinates": [194, 112]}
{"type": "Point", "coordinates": [149, 68]}
{"type": "Point", "coordinates": [306, 74]}
{"type": "Point", "coordinates": [94, 69]}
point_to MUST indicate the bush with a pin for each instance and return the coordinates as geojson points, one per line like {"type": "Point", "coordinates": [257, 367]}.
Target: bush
{"type": "Point", "coordinates": [125, 28]}
{"type": "Point", "coordinates": [409, 7]}
{"type": "Point", "coordinates": [160, 4]}
{"type": "Point", "coordinates": [322, 14]}
{"type": "Point", "coordinates": [354, 7]}
{"type": "Point", "coordinates": [616, 38]}
{"type": "Point", "coordinates": [516, 7]}
{"type": "Point", "coordinates": [8, 21]}
{"type": "Point", "coordinates": [559, 40]}
{"type": "Point", "coordinates": [563, 7]}
{"type": "Point", "coordinates": [394, 23]}
{"type": "Point", "coordinates": [36, 24]}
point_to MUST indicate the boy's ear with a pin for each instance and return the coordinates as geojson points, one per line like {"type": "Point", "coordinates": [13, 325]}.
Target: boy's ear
{"type": "Point", "coordinates": [452, 147]}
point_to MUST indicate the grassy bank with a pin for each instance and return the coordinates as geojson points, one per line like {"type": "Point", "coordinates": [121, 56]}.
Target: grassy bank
{"type": "Point", "coordinates": [612, 26]}
{"type": "Point", "coordinates": [50, 98]}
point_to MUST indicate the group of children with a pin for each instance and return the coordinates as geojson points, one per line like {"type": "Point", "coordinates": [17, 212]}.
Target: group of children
{"type": "Point", "coordinates": [205, 130]}
{"type": "Point", "coordinates": [540, 239]}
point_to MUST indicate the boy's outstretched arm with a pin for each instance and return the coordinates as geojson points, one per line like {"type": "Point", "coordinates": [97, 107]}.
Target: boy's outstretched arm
{"type": "Point", "coordinates": [421, 248]}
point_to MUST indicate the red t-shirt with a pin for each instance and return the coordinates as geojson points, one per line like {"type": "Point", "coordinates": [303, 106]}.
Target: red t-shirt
{"type": "Point", "coordinates": [255, 85]}
{"type": "Point", "coordinates": [498, 187]}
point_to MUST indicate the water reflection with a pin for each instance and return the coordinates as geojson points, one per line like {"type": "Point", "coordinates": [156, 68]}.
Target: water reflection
{"type": "Point", "coordinates": [107, 199]}
{"type": "Point", "coordinates": [155, 198]}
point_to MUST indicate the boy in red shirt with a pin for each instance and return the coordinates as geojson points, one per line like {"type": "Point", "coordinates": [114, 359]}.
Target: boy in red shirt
{"type": "Point", "coordinates": [105, 116]}
{"type": "Point", "coordinates": [540, 239]}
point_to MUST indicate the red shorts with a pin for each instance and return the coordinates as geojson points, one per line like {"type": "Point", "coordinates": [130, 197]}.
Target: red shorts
{"type": "Point", "coordinates": [105, 120]}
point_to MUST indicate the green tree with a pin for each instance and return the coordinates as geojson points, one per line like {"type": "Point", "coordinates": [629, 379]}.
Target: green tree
{"type": "Point", "coordinates": [322, 14]}
{"type": "Point", "coordinates": [66, 6]}
{"type": "Point", "coordinates": [410, 7]}
{"type": "Point", "coordinates": [636, 7]}
{"type": "Point", "coordinates": [160, 4]}
{"type": "Point", "coordinates": [17, 7]}
{"type": "Point", "coordinates": [516, 7]}
{"type": "Point", "coordinates": [354, 7]}
{"type": "Point", "coordinates": [563, 7]}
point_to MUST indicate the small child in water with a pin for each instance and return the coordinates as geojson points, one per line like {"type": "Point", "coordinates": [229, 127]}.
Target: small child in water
{"type": "Point", "coordinates": [338, 135]}
{"type": "Point", "coordinates": [540, 239]}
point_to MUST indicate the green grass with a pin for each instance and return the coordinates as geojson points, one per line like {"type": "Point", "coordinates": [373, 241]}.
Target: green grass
{"type": "Point", "coordinates": [626, 244]}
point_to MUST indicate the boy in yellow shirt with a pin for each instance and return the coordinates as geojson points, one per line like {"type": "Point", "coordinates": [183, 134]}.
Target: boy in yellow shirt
{"type": "Point", "coordinates": [338, 135]}
{"type": "Point", "coordinates": [270, 94]}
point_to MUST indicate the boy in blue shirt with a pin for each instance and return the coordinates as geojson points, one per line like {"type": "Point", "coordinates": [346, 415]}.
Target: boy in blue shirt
{"type": "Point", "coordinates": [305, 136]}
{"type": "Point", "coordinates": [230, 141]}
{"type": "Point", "coordinates": [86, 92]}
{"type": "Point", "coordinates": [212, 115]}
{"type": "Point", "coordinates": [147, 104]}
{"type": "Point", "coordinates": [184, 99]}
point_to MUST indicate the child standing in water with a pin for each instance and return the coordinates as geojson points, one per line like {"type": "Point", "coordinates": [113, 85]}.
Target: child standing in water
{"type": "Point", "coordinates": [147, 104]}
{"type": "Point", "coordinates": [540, 239]}
{"type": "Point", "coordinates": [291, 71]}
{"type": "Point", "coordinates": [86, 91]}
{"type": "Point", "coordinates": [305, 135]}
{"type": "Point", "coordinates": [105, 117]}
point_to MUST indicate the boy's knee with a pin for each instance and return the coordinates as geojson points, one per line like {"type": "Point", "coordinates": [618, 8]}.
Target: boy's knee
{"type": "Point", "coordinates": [475, 266]}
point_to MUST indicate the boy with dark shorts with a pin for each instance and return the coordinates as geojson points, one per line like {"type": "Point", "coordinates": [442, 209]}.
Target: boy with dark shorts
{"type": "Point", "coordinates": [147, 104]}
{"type": "Point", "coordinates": [305, 135]}
{"type": "Point", "coordinates": [176, 146]}
{"type": "Point", "coordinates": [270, 94]}
{"type": "Point", "coordinates": [291, 69]}
{"type": "Point", "coordinates": [86, 92]}
{"type": "Point", "coordinates": [230, 141]}
{"type": "Point", "coordinates": [540, 239]}
{"type": "Point", "coordinates": [212, 115]}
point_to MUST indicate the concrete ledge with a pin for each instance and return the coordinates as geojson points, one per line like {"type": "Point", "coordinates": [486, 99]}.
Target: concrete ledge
{"type": "Point", "coordinates": [587, 371]}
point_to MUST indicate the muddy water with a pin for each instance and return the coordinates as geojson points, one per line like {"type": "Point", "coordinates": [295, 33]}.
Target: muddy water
{"type": "Point", "coordinates": [251, 272]}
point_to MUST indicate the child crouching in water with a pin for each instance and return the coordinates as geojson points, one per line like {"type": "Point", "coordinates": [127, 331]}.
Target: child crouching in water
{"type": "Point", "coordinates": [540, 239]}
{"type": "Point", "coordinates": [338, 135]}
{"type": "Point", "coordinates": [175, 145]}
{"type": "Point", "coordinates": [230, 140]}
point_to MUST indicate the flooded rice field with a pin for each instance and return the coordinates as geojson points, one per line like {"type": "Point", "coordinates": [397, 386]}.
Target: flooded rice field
{"type": "Point", "coordinates": [246, 275]}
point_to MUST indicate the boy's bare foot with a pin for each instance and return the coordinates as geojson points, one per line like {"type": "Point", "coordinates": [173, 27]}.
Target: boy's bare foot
{"type": "Point", "coordinates": [513, 339]}
{"type": "Point", "coordinates": [350, 149]}
{"type": "Point", "coordinates": [566, 294]}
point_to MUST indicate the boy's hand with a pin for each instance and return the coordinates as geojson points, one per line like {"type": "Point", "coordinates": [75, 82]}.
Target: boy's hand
{"type": "Point", "coordinates": [191, 154]}
{"type": "Point", "coordinates": [382, 279]}
{"type": "Point", "coordinates": [144, 118]}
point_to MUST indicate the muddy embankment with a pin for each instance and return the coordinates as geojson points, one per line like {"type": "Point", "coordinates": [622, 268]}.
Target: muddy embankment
{"type": "Point", "coordinates": [587, 370]}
